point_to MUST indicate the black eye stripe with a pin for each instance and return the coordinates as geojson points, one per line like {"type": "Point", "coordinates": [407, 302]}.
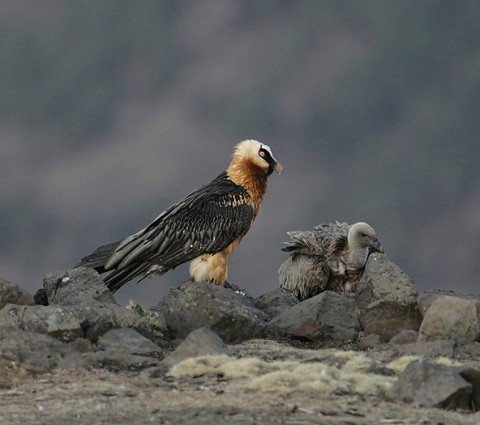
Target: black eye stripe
{"type": "Point", "coordinates": [264, 153]}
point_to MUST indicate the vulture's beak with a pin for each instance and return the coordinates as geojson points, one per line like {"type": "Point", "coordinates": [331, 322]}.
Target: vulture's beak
{"type": "Point", "coordinates": [278, 167]}
{"type": "Point", "coordinates": [377, 245]}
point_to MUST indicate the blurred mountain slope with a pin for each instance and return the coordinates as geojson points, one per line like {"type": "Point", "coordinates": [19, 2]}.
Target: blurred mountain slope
{"type": "Point", "coordinates": [111, 111]}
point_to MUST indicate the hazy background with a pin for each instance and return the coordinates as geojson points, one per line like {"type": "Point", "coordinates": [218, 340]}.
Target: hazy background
{"type": "Point", "coordinates": [112, 110]}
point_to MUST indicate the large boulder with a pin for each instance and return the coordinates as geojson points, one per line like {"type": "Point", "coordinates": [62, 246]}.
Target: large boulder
{"type": "Point", "coordinates": [327, 316]}
{"type": "Point", "coordinates": [452, 318]}
{"type": "Point", "coordinates": [386, 299]}
{"type": "Point", "coordinates": [231, 315]}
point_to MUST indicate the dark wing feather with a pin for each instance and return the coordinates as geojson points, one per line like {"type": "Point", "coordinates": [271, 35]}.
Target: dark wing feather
{"type": "Point", "coordinates": [97, 259]}
{"type": "Point", "coordinates": [206, 221]}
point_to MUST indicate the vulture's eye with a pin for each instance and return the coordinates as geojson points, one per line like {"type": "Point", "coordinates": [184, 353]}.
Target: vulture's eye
{"type": "Point", "coordinates": [261, 153]}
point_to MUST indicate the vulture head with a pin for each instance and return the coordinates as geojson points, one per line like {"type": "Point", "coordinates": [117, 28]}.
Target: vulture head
{"type": "Point", "coordinates": [362, 236]}
{"type": "Point", "coordinates": [258, 154]}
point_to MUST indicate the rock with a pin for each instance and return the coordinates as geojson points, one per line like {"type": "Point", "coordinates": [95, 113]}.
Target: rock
{"type": "Point", "coordinates": [275, 302]}
{"type": "Point", "coordinates": [387, 299]}
{"type": "Point", "coordinates": [13, 294]}
{"type": "Point", "coordinates": [200, 342]}
{"type": "Point", "coordinates": [116, 361]}
{"type": "Point", "coordinates": [368, 342]}
{"type": "Point", "coordinates": [79, 287]}
{"type": "Point", "coordinates": [472, 376]}
{"type": "Point", "coordinates": [125, 349]}
{"type": "Point", "coordinates": [426, 349]}
{"type": "Point", "coordinates": [433, 385]}
{"type": "Point", "coordinates": [155, 325]}
{"type": "Point", "coordinates": [427, 298]}
{"type": "Point", "coordinates": [405, 336]}
{"type": "Point", "coordinates": [40, 297]}
{"type": "Point", "coordinates": [451, 318]}
{"type": "Point", "coordinates": [69, 323]}
{"type": "Point", "coordinates": [469, 351]}
{"type": "Point", "coordinates": [229, 314]}
{"type": "Point", "coordinates": [327, 316]}
{"type": "Point", "coordinates": [36, 352]}
{"type": "Point", "coordinates": [129, 341]}
{"type": "Point", "coordinates": [239, 291]}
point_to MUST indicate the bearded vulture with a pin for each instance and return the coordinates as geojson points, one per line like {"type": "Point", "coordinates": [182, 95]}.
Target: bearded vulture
{"type": "Point", "coordinates": [331, 257]}
{"type": "Point", "coordinates": [202, 228]}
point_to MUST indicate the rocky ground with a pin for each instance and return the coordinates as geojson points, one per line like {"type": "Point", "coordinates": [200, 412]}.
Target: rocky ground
{"type": "Point", "coordinates": [207, 354]}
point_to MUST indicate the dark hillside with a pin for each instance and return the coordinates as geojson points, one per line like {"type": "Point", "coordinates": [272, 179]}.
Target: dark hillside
{"type": "Point", "coordinates": [110, 111]}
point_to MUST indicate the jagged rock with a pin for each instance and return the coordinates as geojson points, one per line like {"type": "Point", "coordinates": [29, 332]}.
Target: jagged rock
{"type": "Point", "coordinates": [68, 323]}
{"type": "Point", "coordinates": [36, 352]}
{"type": "Point", "coordinates": [451, 318]}
{"type": "Point", "coordinates": [433, 385]}
{"type": "Point", "coordinates": [387, 299]}
{"type": "Point", "coordinates": [200, 342]}
{"type": "Point", "coordinates": [328, 316]}
{"type": "Point", "coordinates": [13, 294]}
{"type": "Point", "coordinates": [79, 287]}
{"type": "Point", "coordinates": [229, 314]}
{"type": "Point", "coordinates": [125, 349]}
{"type": "Point", "coordinates": [275, 302]}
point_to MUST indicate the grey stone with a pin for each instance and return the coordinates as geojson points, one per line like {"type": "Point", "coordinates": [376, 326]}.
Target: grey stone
{"type": "Point", "coordinates": [472, 376]}
{"type": "Point", "coordinates": [154, 325]}
{"type": "Point", "coordinates": [469, 351]}
{"type": "Point", "coordinates": [275, 302]}
{"type": "Point", "coordinates": [451, 318]}
{"type": "Point", "coordinates": [368, 342]}
{"type": "Point", "coordinates": [121, 361]}
{"type": "Point", "coordinates": [77, 287]}
{"type": "Point", "coordinates": [432, 385]}
{"type": "Point", "coordinates": [426, 349]}
{"type": "Point", "coordinates": [427, 298]}
{"type": "Point", "coordinates": [200, 342]}
{"type": "Point", "coordinates": [240, 291]}
{"type": "Point", "coordinates": [129, 341]}
{"type": "Point", "coordinates": [13, 294]}
{"type": "Point", "coordinates": [68, 323]}
{"type": "Point", "coordinates": [386, 298]}
{"type": "Point", "coordinates": [405, 336]}
{"type": "Point", "coordinates": [125, 349]}
{"type": "Point", "coordinates": [215, 307]}
{"type": "Point", "coordinates": [36, 352]}
{"type": "Point", "coordinates": [327, 316]}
